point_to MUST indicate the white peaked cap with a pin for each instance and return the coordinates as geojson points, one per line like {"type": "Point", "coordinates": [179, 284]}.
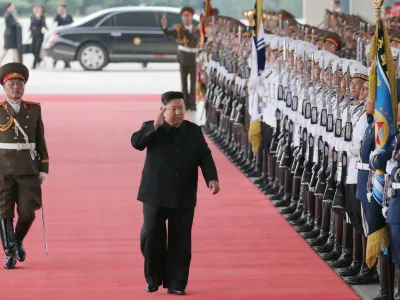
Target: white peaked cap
{"type": "Point", "coordinates": [359, 71]}
{"type": "Point", "coordinates": [338, 64]}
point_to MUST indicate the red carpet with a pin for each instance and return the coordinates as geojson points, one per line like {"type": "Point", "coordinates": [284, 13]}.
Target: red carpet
{"type": "Point", "coordinates": [242, 247]}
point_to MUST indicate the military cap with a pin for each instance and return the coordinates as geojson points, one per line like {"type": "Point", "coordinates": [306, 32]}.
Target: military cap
{"type": "Point", "coordinates": [293, 45]}
{"type": "Point", "coordinates": [275, 42]}
{"type": "Point", "coordinates": [335, 39]}
{"type": "Point", "coordinates": [304, 47]}
{"type": "Point", "coordinates": [268, 38]}
{"type": "Point", "coordinates": [318, 54]}
{"type": "Point", "coordinates": [338, 64]}
{"type": "Point", "coordinates": [359, 71]}
{"type": "Point", "coordinates": [327, 57]}
{"type": "Point", "coordinates": [348, 64]}
{"type": "Point", "coordinates": [13, 70]}
{"type": "Point", "coordinates": [187, 10]}
{"type": "Point", "coordinates": [284, 14]}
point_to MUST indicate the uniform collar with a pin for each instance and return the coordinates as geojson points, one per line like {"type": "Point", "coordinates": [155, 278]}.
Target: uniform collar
{"type": "Point", "coordinates": [180, 128]}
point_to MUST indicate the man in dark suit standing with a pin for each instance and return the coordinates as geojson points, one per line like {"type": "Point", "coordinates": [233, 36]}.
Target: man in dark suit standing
{"type": "Point", "coordinates": [175, 150]}
{"type": "Point", "coordinates": [61, 19]}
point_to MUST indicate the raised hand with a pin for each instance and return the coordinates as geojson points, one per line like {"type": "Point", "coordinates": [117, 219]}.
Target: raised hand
{"type": "Point", "coordinates": [160, 118]}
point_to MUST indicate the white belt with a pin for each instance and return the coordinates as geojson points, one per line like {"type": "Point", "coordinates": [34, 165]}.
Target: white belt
{"type": "Point", "coordinates": [187, 49]}
{"type": "Point", "coordinates": [18, 146]}
{"type": "Point", "coordinates": [395, 186]}
{"type": "Point", "coordinates": [361, 166]}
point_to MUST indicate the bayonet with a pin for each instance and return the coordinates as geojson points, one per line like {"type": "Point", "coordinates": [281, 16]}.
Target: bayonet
{"type": "Point", "coordinates": [348, 132]}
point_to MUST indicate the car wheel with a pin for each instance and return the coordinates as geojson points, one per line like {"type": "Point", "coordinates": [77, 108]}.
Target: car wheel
{"type": "Point", "coordinates": [144, 64]}
{"type": "Point", "coordinates": [92, 57]}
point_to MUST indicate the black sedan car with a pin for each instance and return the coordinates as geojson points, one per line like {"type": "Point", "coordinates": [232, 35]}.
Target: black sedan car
{"type": "Point", "coordinates": [116, 35]}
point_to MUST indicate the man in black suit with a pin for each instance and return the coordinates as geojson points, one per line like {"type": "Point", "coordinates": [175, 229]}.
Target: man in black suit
{"type": "Point", "coordinates": [61, 19]}
{"type": "Point", "coordinates": [175, 150]}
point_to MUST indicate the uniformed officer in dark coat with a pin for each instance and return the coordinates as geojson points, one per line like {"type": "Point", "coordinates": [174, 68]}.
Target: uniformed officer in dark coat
{"type": "Point", "coordinates": [188, 38]}
{"type": "Point", "coordinates": [175, 150]}
{"type": "Point", "coordinates": [24, 161]}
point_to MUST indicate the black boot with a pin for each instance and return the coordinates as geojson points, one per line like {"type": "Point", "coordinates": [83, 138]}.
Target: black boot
{"type": "Point", "coordinates": [21, 230]}
{"type": "Point", "coordinates": [396, 292]}
{"type": "Point", "coordinates": [325, 226]}
{"type": "Point", "coordinates": [386, 277]}
{"type": "Point", "coordinates": [318, 220]}
{"type": "Point", "coordinates": [355, 266]}
{"type": "Point", "coordinates": [347, 250]}
{"type": "Point", "coordinates": [8, 241]}
{"type": "Point", "coordinates": [337, 249]}
{"type": "Point", "coordinates": [295, 198]}
{"type": "Point", "coordinates": [366, 275]}
{"type": "Point", "coordinates": [309, 225]}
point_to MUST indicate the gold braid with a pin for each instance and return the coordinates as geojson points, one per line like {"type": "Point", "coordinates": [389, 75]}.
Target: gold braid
{"type": "Point", "coordinates": [6, 126]}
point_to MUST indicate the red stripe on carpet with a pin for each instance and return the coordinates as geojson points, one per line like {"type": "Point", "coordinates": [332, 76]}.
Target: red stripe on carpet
{"type": "Point", "coordinates": [242, 247]}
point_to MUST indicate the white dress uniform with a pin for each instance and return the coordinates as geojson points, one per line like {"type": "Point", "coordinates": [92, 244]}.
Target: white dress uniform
{"type": "Point", "coordinates": [359, 122]}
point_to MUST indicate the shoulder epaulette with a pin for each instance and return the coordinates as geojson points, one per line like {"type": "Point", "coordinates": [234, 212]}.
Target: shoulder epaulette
{"type": "Point", "coordinates": [178, 27]}
{"type": "Point", "coordinates": [33, 103]}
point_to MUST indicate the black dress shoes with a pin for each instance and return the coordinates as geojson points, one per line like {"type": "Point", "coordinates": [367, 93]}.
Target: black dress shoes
{"type": "Point", "coordinates": [151, 288]}
{"type": "Point", "coordinates": [176, 292]}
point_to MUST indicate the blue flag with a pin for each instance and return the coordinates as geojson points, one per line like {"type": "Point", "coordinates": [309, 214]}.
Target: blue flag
{"type": "Point", "coordinates": [383, 91]}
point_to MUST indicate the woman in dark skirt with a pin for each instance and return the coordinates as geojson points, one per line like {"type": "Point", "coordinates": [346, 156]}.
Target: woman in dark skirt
{"type": "Point", "coordinates": [10, 34]}
{"type": "Point", "coordinates": [38, 29]}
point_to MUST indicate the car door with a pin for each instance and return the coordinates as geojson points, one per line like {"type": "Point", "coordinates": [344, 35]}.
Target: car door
{"type": "Point", "coordinates": [135, 33]}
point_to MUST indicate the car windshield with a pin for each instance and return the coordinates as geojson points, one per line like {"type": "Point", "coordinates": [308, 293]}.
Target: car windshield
{"type": "Point", "coordinates": [90, 17]}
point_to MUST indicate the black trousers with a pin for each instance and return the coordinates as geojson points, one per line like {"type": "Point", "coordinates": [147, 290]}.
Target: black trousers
{"type": "Point", "coordinates": [188, 67]}
{"type": "Point", "coordinates": [37, 42]}
{"type": "Point", "coordinates": [167, 262]}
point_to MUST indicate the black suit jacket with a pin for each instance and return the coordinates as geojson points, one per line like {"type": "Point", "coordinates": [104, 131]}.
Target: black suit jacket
{"type": "Point", "coordinates": [170, 173]}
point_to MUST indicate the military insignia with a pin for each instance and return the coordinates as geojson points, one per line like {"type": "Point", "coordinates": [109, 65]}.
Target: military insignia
{"type": "Point", "coordinates": [338, 128]}
{"type": "Point", "coordinates": [137, 41]}
{"type": "Point", "coordinates": [381, 130]}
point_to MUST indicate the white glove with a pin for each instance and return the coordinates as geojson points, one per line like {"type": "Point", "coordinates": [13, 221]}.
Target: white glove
{"type": "Point", "coordinates": [42, 176]}
{"type": "Point", "coordinates": [390, 165]}
{"type": "Point", "coordinates": [373, 153]}
{"type": "Point", "coordinates": [384, 212]}
{"type": "Point", "coordinates": [369, 197]}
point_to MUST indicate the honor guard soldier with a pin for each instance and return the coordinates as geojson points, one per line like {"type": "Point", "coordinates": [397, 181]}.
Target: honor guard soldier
{"type": "Point", "coordinates": [188, 38]}
{"type": "Point", "coordinates": [393, 212]}
{"type": "Point", "coordinates": [24, 162]}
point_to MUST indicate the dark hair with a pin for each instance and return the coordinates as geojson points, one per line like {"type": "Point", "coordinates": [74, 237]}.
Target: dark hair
{"type": "Point", "coordinates": [169, 96]}
{"type": "Point", "coordinates": [8, 5]}
{"type": "Point", "coordinates": [216, 11]}
{"type": "Point", "coordinates": [63, 5]}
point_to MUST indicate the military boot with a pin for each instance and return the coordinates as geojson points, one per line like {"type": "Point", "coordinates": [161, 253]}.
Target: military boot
{"type": "Point", "coordinates": [347, 250]}
{"type": "Point", "coordinates": [337, 249]}
{"type": "Point", "coordinates": [21, 230]}
{"type": "Point", "coordinates": [9, 243]}
{"type": "Point", "coordinates": [366, 275]}
{"type": "Point", "coordinates": [325, 225]}
{"type": "Point", "coordinates": [355, 266]}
